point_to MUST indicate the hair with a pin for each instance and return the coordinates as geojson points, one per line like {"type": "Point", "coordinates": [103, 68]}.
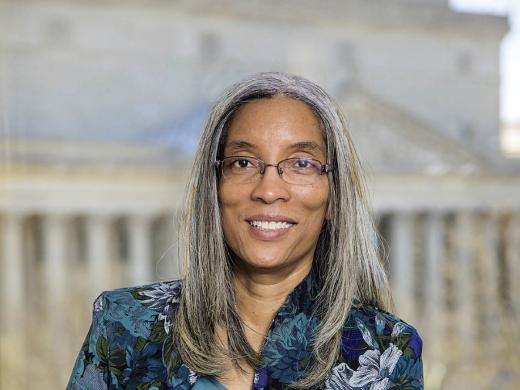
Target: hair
{"type": "Point", "coordinates": [346, 258]}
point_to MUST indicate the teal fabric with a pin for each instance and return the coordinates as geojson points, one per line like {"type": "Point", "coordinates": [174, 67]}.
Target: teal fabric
{"type": "Point", "coordinates": [131, 328]}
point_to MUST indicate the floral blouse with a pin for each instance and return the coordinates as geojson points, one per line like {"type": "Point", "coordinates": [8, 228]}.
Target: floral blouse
{"type": "Point", "coordinates": [130, 329]}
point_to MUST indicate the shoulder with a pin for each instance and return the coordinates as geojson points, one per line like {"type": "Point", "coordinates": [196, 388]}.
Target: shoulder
{"type": "Point", "coordinates": [373, 324]}
{"type": "Point", "coordinates": [374, 339]}
{"type": "Point", "coordinates": [124, 345]}
{"type": "Point", "coordinates": [136, 309]}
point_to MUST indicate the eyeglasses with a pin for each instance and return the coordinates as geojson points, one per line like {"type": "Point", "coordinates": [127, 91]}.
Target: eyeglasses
{"type": "Point", "coordinates": [244, 169]}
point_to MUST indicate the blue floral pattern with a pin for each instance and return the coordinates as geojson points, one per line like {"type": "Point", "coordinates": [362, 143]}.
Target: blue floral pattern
{"type": "Point", "coordinates": [130, 329]}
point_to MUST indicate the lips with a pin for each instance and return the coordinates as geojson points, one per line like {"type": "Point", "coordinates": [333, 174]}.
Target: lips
{"type": "Point", "coordinates": [270, 227]}
{"type": "Point", "coordinates": [270, 218]}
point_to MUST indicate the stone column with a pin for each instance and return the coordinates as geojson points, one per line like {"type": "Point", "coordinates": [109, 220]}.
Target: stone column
{"type": "Point", "coordinates": [55, 244]}
{"type": "Point", "coordinates": [490, 303]}
{"type": "Point", "coordinates": [173, 234]}
{"type": "Point", "coordinates": [98, 253]}
{"type": "Point", "coordinates": [434, 288]}
{"type": "Point", "coordinates": [165, 248]}
{"type": "Point", "coordinates": [401, 261]}
{"type": "Point", "coordinates": [464, 284]}
{"type": "Point", "coordinates": [15, 349]}
{"type": "Point", "coordinates": [12, 270]}
{"type": "Point", "coordinates": [55, 272]}
{"type": "Point", "coordinates": [140, 267]}
{"type": "Point", "coordinates": [512, 258]}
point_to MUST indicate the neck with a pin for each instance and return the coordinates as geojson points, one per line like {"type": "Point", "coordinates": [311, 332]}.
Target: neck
{"type": "Point", "coordinates": [259, 295]}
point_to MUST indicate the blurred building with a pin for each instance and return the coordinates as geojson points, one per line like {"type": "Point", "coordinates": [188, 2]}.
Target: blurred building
{"type": "Point", "coordinates": [511, 139]}
{"type": "Point", "coordinates": [102, 104]}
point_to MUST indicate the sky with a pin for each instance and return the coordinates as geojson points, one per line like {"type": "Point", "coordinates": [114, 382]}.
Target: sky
{"type": "Point", "coordinates": [510, 52]}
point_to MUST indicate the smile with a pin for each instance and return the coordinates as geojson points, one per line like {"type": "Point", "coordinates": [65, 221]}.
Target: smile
{"type": "Point", "coordinates": [270, 225]}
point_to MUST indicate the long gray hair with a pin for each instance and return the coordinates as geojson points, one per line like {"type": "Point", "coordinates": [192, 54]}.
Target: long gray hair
{"type": "Point", "coordinates": [346, 256]}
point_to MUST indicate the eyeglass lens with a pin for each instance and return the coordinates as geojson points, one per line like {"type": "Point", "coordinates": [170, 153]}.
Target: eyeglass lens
{"type": "Point", "coordinates": [295, 170]}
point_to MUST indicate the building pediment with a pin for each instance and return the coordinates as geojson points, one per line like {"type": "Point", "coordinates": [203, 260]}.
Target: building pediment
{"type": "Point", "coordinates": [390, 140]}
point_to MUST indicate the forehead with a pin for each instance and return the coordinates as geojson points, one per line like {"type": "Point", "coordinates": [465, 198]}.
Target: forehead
{"type": "Point", "coordinates": [278, 121]}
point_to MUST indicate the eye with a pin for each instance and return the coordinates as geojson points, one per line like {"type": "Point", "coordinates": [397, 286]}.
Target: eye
{"type": "Point", "coordinates": [242, 163]}
{"type": "Point", "coordinates": [302, 166]}
{"type": "Point", "coordinates": [303, 163]}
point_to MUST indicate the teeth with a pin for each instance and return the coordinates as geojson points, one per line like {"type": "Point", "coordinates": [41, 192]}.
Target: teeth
{"type": "Point", "coordinates": [270, 225]}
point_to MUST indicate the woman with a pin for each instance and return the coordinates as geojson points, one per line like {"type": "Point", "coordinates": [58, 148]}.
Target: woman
{"type": "Point", "coordinates": [281, 287]}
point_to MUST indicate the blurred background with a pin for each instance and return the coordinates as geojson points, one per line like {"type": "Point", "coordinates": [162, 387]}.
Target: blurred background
{"type": "Point", "coordinates": [102, 103]}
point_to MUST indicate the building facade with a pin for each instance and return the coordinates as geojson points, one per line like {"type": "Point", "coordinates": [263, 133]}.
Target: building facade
{"type": "Point", "coordinates": [102, 104]}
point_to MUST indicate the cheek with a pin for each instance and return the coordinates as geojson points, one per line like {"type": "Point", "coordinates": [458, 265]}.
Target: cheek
{"type": "Point", "coordinates": [229, 202]}
{"type": "Point", "coordinates": [229, 198]}
{"type": "Point", "coordinates": [315, 200]}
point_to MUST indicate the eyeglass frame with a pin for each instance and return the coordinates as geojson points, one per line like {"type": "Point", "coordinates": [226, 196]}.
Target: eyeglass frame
{"type": "Point", "coordinates": [324, 168]}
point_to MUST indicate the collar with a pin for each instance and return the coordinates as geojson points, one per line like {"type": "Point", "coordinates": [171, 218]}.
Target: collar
{"type": "Point", "coordinates": [301, 298]}
{"type": "Point", "coordinates": [287, 347]}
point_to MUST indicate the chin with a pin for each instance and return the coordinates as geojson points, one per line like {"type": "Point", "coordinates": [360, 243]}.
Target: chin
{"type": "Point", "coordinates": [267, 263]}
{"type": "Point", "coordinates": [264, 263]}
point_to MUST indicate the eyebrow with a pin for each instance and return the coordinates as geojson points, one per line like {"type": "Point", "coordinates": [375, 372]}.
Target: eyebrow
{"type": "Point", "coordinates": [303, 145]}
{"type": "Point", "coordinates": [239, 145]}
{"type": "Point", "coordinates": [307, 145]}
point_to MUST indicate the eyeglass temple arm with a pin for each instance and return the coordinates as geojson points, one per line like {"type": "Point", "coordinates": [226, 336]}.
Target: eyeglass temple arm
{"type": "Point", "coordinates": [326, 168]}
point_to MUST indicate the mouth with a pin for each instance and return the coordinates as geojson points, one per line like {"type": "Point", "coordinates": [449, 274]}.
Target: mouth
{"type": "Point", "coordinates": [270, 225]}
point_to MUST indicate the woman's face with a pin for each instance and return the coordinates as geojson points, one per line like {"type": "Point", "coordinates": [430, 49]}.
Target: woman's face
{"type": "Point", "coordinates": [273, 130]}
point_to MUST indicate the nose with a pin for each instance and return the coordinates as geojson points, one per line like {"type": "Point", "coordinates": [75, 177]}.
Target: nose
{"type": "Point", "coordinates": [270, 187]}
